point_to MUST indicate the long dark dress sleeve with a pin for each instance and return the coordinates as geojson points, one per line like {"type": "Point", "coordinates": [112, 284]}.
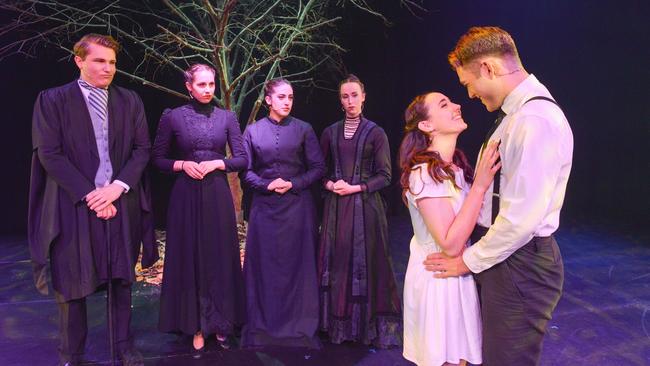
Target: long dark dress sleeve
{"type": "Point", "coordinates": [325, 146]}
{"type": "Point", "coordinates": [382, 165]}
{"type": "Point", "coordinates": [46, 132]}
{"type": "Point", "coordinates": [313, 160]}
{"type": "Point", "coordinates": [132, 170]}
{"type": "Point", "coordinates": [251, 179]}
{"type": "Point", "coordinates": [162, 144]}
{"type": "Point", "coordinates": [238, 161]}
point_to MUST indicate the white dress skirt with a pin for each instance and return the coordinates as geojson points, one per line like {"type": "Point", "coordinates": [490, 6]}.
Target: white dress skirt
{"type": "Point", "coordinates": [442, 318]}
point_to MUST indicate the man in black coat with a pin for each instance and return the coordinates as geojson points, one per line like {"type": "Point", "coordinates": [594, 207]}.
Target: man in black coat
{"type": "Point", "coordinates": [90, 148]}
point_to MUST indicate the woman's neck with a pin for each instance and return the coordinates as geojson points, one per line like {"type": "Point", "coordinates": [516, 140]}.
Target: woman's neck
{"type": "Point", "coordinates": [275, 117]}
{"type": "Point", "coordinates": [445, 146]}
{"type": "Point", "coordinates": [203, 108]}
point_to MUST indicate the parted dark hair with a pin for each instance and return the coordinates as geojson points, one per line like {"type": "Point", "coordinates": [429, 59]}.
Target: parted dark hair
{"type": "Point", "coordinates": [413, 150]}
{"type": "Point", "coordinates": [479, 42]}
{"type": "Point", "coordinates": [351, 78]}
{"type": "Point", "coordinates": [194, 68]}
{"type": "Point", "coordinates": [81, 47]}
{"type": "Point", "coordinates": [270, 85]}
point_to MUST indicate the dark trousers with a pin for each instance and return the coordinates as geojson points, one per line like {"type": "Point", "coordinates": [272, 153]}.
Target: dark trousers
{"type": "Point", "coordinates": [73, 325]}
{"type": "Point", "coordinates": [517, 297]}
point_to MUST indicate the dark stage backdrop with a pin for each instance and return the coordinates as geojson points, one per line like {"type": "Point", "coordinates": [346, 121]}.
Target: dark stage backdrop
{"type": "Point", "coordinates": [593, 56]}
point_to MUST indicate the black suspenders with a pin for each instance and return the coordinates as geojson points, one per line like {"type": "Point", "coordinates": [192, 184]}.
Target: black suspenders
{"type": "Point", "coordinates": [539, 97]}
{"type": "Point", "coordinates": [497, 177]}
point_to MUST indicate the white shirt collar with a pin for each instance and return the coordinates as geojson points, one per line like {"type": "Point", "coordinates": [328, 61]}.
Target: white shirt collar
{"type": "Point", "coordinates": [528, 88]}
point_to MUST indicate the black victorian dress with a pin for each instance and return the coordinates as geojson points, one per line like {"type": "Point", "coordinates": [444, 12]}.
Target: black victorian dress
{"type": "Point", "coordinates": [280, 262]}
{"type": "Point", "coordinates": [359, 298]}
{"type": "Point", "coordinates": [203, 287]}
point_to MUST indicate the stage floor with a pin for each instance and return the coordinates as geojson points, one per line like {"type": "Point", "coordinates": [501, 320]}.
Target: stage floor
{"type": "Point", "coordinates": [603, 317]}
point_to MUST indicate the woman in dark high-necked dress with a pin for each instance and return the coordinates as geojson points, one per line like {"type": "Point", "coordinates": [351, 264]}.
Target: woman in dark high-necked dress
{"type": "Point", "coordinates": [203, 287]}
{"type": "Point", "coordinates": [280, 262]}
{"type": "Point", "coordinates": [359, 299]}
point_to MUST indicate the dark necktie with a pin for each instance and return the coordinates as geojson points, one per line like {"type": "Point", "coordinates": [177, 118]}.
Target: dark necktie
{"type": "Point", "coordinates": [497, 176]}
{"type": "Point", "coordinates": [97, 99]}
{"type": "Point", "coordinates": [497, 122]}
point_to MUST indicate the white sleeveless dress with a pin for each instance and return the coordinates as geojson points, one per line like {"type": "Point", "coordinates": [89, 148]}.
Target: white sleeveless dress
{"type": "Point", "coordinates": [442, 321]}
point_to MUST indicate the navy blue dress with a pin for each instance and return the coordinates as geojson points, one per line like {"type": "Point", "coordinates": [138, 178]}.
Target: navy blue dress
{"type": "Point", "coordinates": [280, 262]}
{"type": "Point", "coordinates": [203, 287]}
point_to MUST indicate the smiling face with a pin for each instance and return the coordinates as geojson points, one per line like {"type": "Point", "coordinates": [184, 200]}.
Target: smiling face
{"type": "Point", "coordinates": [481, 84]}
{"type": "Point", "coordinates": [444, 118]}
{"type": "Point", "coordinates": [280, 101]}
{"type": "Point", "coordinates": [202, 86]}
{"type": "Point", "coordinates": [98, 67]}
{"type": "Point", "coordinates": [352, 98]}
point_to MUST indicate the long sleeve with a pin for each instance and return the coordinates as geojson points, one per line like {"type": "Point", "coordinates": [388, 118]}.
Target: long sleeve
{"type": "Point", "coordinates": [314, 162]}
{"type": "Point", "coordinates": [46, 136]}
{"type": "Point", "coordinates": [238, 161]}
{"type": "Point", "coordinates": [162, 144]}
{"type": "Point", "coordinates": [132, 170]}
{"type": "Point", "coordinates": [325, 145]}
{"type": "Point", "coordinates": [536, 160]}
{"type": "Point", "coordinates": [250, 177]}
{"type": "Point", "coordinates": [382, 167]}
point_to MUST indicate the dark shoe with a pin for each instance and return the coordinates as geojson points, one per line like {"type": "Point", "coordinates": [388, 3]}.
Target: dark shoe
{"type": "Point", "coordinates": [223, 342]}
{"type": "Point", "coordinates": [131, 357]}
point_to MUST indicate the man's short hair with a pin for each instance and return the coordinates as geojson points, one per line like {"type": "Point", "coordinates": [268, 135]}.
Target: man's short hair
{"type": "Point", "coordinates": [81, 47]}
{"type": "Point", "coordinates": [482, 41]}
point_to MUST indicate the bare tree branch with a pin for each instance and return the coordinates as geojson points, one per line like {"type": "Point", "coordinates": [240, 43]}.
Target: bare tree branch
{"type": "Point", "coordinates": [152, 84]}
{"type": "Point", "coordinates": [248, 42]}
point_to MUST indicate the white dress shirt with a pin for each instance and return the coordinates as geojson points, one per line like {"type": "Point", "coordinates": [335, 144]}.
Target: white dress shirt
{"type": "Point", "coordinates": [536, 152]}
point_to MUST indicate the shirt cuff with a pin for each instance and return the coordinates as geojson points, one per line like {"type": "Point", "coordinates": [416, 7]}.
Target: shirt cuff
{"type": "Point", "coordinates": [294, 186]}
{"type": "Point", "coordinates": [364, 187]}
{"type": "Point", "coordinates": [471, 261]}
{"type": "Point", "coordinates": [122, 184]}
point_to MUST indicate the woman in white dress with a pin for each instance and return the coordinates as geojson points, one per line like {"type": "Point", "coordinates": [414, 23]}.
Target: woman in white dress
{"type": "Point", "coordinates": [442, 324]}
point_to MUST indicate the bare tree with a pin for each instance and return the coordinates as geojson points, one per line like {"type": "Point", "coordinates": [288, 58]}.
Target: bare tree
{"type": "Point", "coordinates": [247, 41]}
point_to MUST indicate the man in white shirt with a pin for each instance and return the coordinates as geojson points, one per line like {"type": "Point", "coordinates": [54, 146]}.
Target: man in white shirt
{"type": "Point", "coordinates": [516, 262]}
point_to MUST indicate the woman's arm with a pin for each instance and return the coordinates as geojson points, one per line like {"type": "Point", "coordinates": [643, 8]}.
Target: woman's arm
{"type": "Point", "coordinates": [325, 146]}
{"type": "Point", "coordinates": [161, 146]}
{"type": "Point", "coordinates": [451, 231]}
{"type": "Point", "coordinates": [238, 160]}
{"type": "Point", "coordinates": [313, 160]}
{"type": "Point", "coordinates": [381, 175]}
{"type": "Point", "coordinates": [248, 175]}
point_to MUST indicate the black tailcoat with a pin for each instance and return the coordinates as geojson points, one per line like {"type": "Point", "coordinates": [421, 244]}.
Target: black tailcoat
{"type": "Point", "coordinates": [64, 163]}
